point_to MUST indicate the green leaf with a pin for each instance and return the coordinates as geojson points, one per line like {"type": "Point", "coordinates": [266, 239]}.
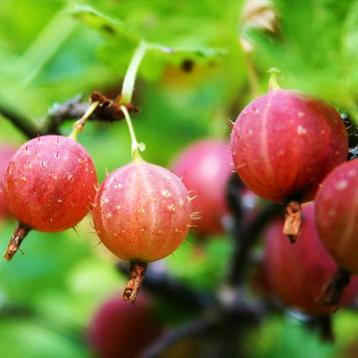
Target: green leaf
{"type": "Point", "coordinates": [96, 19]}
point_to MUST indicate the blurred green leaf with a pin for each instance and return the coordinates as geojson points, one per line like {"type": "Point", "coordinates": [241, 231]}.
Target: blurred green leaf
{"type": "Point", "coordinates": [201, 265]}
{"type": "Point", "coordinates": [34, 339]}
{"type": "Point", "coordinates": [43, 267]}
{"type": "Point", "coordinates": [96, 19]}
{"type": "Point", "coordinates": [286, 336]}
{"type": "Point", "coordinates": [315, 50]}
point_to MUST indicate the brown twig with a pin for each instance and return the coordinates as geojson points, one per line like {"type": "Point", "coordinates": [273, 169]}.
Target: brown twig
{"type": "Point", "coordinates": [246, 237]}
{"type": "Point", "coordinates": [107, 111]}
{"type": "Point", "coordinates": [332, 292]}
{"type": "Point", "coordinates": [191, 329]}
{"type": "Point", "coordinates": [110, 110]}
{"type": "Point", "coordinates": [61, 112]}
{"type": "Point", "coordinates": [22, 123]}
{"type": "Point", "coordinates": [218, 320]}
{"type": "Point", "coordinates": [324, 326]}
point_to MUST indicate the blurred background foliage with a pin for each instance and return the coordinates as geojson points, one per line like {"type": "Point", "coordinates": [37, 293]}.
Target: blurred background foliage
{"type": "Point", "coordinates": [53, 50]}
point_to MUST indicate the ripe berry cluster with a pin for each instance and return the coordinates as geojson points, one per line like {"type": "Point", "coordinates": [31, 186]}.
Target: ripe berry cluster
{"type": "Point", "coordinates": [285, 147]}
{"type": "Point", "coordinates": [141, 212]}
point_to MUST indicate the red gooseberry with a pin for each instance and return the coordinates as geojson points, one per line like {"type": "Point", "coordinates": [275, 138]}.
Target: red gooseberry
{"type": "Point", "coordinates": [6, 153]}
{"type": "Point", "coordinates": [119, 329]}
{"type": "Point", "coordinates": [297, 275]}
{"type": "Point", "coordinates": [283, 145]}
{"type": "Point", "coordinates": [205, 167]}
{"type": "Point", "coordinates": [337, 214]}
{"type": "Point", "coordinates": [142, 213]}
{"type": "Point", "coordinates": [337, 223]}
{"type": "Point", "coordinates": [50, 184]}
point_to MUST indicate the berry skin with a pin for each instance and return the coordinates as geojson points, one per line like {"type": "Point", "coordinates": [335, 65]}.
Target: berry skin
{"type": "Point", "coordinates": [205, 168]}
{"type": "Point", "coordinates": [119, 329]}
{"type": "Point", "coordinates": [299, 274]}
{"type": "Point", "coordinates": [142, 212]}
{"type": "Point", "coordinates": [284, 144]}
{"type": "Point", "coordinates": [5, 155]}
{"type": "Point", "coordinates": [50, 183]}
{"type": "Point", "coordinates": [337, 214]}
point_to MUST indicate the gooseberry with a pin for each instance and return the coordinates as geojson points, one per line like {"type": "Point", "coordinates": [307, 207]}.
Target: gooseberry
{"type": "Point", "coordinates": [141, 213]}
{"type": "Point", "coordinates": [337, 214]}
{"type": "Point", "coordinates": [50, 184]}
{"type": "Point", "coordinates": [6, 153]}
{"type": "Point", "coordinates": [205, 167]}
{"type": "Point", "coordinates": [297, 275]}
{"type": "Point", "coordinates": [119, 329]}
{"type": "Point", "coordinates": [283, 145]}
{"type": "Point", "coordinates": [337, 223]}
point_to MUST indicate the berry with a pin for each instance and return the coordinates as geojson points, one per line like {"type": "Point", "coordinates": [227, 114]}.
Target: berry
{"type": "Point", "coordinates": [5, 155]}
{"type": "Point", "coordinates": [283, 145]}
{"type": "Point", "coordinates": [119, 329]}
{"type": "Point", "coordinates": [142, 213]}
{"type": "Point", "coordinates": [337, 214]}
{"type": "Point", "coordinates": [50, 184]}
{"type": "Point", "coordinates": [298, 275]}
{"type": "Point", "coordinates": [205, 168]}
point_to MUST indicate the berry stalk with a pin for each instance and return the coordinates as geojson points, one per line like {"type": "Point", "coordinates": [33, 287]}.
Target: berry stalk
{"type": "Point", "coordinates": [273, 80]}
{"type": "Point", "coordinates": [78, 125]}
{"type": "Point", "coordinates": [16, 240]}
{"type": "Point", "coordinates": [293, 220]}
{"type": "Point", "coordinates": [136, 147]}
{"type": "Point", "coordinates": [129, 79]}
{"type": "Point", "coordinates": [137, 271]}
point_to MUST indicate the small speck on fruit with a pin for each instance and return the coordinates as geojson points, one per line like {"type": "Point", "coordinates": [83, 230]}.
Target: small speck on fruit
{"type": "Point", "coordinates": [301, 130]}
{"type": "Point", "coordinates": [171, 207]}
{"type": "Point", "coordinates": [166, 193]}
{"type": "Point", "coordinates": [341, 185]}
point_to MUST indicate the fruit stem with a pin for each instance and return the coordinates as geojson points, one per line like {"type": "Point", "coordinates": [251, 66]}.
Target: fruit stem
{"type": "Point", "coordinates": [136, 147]}
{"type": "Point", "coordinates": [130, 76]}
{"type": "Point", "coordinates": [78, 125]}
{"type": "Point", "coordinates": [326, 331]}
{"type": "Point", "coordinates": [293, 220]}
{"type": "Point", "coordinates": [137, 270]}
{"type": "Point", "coordinates": [273, 80]}
{"type": "Point", "coordinates": [17, 238]}
{"type": "Point", "coordinates": [333, 290]}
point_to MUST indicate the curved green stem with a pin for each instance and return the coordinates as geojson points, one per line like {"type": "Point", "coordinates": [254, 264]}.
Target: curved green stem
{"type": "Point", "coordinates": [78, 126]}
{"type": "Point", "coordinates": [129, 79]}
{"type": "Point", "coordinates": [136, 147]}
{"type": "Point", "coordinates": [128, 88]}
